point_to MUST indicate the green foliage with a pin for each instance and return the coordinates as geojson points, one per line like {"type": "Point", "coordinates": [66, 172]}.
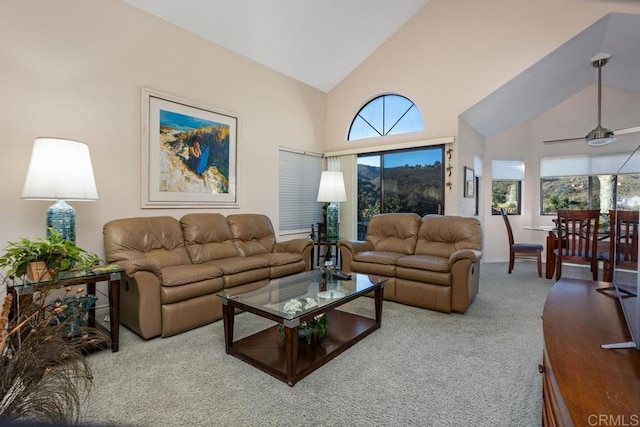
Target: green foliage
{"type": "Point", "coordinates": [569, 193]}
{"type": "Point", "coordinates": [315, 326]}
{"type": "Point", "coordinates": [58, 253]}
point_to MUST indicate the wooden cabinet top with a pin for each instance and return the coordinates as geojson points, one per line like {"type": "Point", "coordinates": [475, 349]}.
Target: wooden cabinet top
{"type": "Point", "coordinates": [596, 386]}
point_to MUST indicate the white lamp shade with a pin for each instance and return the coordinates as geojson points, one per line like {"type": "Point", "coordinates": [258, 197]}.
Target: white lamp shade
{"type": "Point", "coordinates": [331, 187]}
{"type": "Point", "coordinates": [60, 169]}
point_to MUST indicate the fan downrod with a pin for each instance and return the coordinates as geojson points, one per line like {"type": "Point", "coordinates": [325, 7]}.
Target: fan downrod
{"type": "Point", "coordinates": [600, 135]}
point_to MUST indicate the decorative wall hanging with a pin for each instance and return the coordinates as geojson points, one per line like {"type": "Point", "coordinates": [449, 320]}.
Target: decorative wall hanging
{"type": "Point", "coordinates": [449, 168]}
{"type": "Point", "coordinates": [189, 154]}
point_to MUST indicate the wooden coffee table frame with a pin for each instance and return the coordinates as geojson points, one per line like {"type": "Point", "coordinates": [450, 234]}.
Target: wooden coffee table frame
{"type": "Point", "coordinates": [291, 359]}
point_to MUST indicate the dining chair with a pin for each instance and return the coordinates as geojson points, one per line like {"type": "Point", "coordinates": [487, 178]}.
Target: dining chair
{"type": "Point", "coordinates": [623, 247]}
{"type": "Point", "coordinates": [577, 239]}
{"type": "Point", "coordinates": [521, 250]}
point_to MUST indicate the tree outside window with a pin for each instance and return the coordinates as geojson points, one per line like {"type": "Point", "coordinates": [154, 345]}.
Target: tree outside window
{"type": "Point", "coordinates": [603, 192]}
{"type": "Point", "coordinates": [506, 186]}
{"type": "Point", "coordinates": [506, 194]}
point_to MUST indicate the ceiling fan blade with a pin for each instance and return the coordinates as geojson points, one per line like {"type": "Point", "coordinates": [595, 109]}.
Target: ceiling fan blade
{"type": "Point", "coordinates": [627, 130]}
{"type": "Point", "coordinates": [563, 140]}
{"type": "Point", "coordinates": [616, 133]}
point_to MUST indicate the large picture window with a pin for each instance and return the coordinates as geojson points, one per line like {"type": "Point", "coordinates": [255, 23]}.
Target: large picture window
{"type": "Point", "coordinates": [400, 181]}
{"type": "Point", "coordinates": [589, 192]}
{"type": "Point", "coordinates": [588, 182]}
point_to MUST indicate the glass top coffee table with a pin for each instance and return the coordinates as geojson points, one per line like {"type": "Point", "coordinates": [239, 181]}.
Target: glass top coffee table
{"type": "Point", "coordinates": [280, 350]}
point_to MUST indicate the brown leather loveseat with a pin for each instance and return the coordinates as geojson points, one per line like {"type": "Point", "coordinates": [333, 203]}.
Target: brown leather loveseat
{"type": "Point", "coordinates": [174, 269]}
{"type": "Point", "coordinates": [431, 262]}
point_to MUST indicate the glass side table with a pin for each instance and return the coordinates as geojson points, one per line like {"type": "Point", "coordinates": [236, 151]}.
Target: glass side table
{"type": "Point", "coordinates": [88, 278]}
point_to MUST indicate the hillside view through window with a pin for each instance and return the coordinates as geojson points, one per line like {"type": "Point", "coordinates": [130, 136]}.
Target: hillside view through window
{"type": "Point", "coordinates": [400, 181]}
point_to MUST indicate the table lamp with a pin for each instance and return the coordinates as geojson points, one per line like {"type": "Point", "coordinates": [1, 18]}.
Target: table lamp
{"type": "Point", "coordinates": [60, 169]}
{"type": "Point", "coordinates": [332, 190]}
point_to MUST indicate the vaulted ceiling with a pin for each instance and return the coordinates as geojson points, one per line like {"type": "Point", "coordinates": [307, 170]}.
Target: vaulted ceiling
{"type": "Point", "coordinates": [321, 42]}
{"type": "Point", "coordinates": [562, 73]}
{"type": "Point", "coordinates": [315, 42]}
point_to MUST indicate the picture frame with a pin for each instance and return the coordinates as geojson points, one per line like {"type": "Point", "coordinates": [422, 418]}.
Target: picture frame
{"type": "Point", "coordinates": [189, 153]}
{"type": "Point", "coordinates": [469, 182]}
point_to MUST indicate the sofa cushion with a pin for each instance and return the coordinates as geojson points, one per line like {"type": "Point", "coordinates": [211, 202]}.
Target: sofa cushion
{"type": "Point", "coordinates": [284, 264]}
{"type": "Point", "coordinates": [395, 232]}
{"type": "Point", "coordinates": [240, 264]}
{"type": "Point", "coordinates": [425, 262]}
{"type": "Point", "coordinates": [252, 233]}
{"type": "Point", "coordinates": [443, 235]}
{"type": "Point", "coordinates": [155, 238]}
{"type": "Point", "coordinates": [282, 258]}
{"type": "Point", "coordinates": [424, 276]}
{"type": "Point", "coordinates": [207, 237]}
{"type": "Point", "coordinates": [386, 270]}
{"type": "Point", "coordinates": [178, 275]}
{"type": "Point", "coordinates": [377, 257]}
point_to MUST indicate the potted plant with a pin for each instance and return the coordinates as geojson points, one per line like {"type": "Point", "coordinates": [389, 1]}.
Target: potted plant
{"type": "Point", "coordinates": [314, 328]}
{"type": "Point", "coordinates": [51, 255]}
{"type": "Point", "coordinates": [44, 376]}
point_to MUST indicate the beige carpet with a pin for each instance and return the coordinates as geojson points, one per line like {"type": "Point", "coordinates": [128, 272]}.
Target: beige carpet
{"type": "Point", "coordinates": [421, 368]}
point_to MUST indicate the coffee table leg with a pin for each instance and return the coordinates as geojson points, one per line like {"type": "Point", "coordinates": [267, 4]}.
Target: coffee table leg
{"type": "Point", "coordinates": [228, 316]}
{"type": "Point", "coordinates": [291, 343]}
{"type": "Point", "coordinates": [378, 303]}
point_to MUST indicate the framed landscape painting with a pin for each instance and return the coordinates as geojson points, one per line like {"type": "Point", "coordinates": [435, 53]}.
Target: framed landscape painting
{"type": "Point", "coordinates": [189, 154]}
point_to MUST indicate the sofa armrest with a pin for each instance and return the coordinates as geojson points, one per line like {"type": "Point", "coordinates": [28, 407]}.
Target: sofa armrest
{"type": "Point", "coordinates": [348, 248]}
{"type": "Point", "coordinates": [465, 278]}
{"type": "Point", "coordinates": [355, 246]}
{"type": "Point", "coordinates": [140, 297]}
{"type": "Point", "coordinates": [296, 246]}
{"type": "Point", "coordinates": [470, 254]}
{"type": "Point", "coordinates": [133, 266]}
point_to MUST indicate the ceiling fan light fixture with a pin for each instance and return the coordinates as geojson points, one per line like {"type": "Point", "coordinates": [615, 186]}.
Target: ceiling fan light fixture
{"type": "Point", "coordinates": [600, 136]}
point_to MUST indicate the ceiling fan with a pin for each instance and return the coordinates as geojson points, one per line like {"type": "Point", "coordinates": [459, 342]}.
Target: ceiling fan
{"type": "Point", "coordinates": [600, 135]}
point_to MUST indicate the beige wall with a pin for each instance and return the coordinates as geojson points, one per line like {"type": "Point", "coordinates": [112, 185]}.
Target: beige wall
{"type": "Point", "coordinates": [74, 69]}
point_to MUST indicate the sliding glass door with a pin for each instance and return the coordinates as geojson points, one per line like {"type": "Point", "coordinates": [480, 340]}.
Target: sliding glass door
{"type": "Point", "coordinates": [400, 181]}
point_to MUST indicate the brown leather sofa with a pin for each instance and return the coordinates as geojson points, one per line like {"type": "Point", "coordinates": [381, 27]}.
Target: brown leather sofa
{"type": "Point", "coordinates": [431, 262]}
{"type": "Point", "coordinates": [174, 269]}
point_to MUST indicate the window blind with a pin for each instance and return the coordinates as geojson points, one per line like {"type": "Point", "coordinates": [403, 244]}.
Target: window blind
{"type": "Point", "coordinates": [299, 181]}
{"type": "Point", "coordinates": [507, 170]}
{"type": "Point", "coordinates": [603, 164]}
{"type": "Point", "coordinates": [477, 165]}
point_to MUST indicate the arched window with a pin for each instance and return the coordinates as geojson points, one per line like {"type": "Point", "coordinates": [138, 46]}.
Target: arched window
{"type": "Point", "coordinates": [386, 115]}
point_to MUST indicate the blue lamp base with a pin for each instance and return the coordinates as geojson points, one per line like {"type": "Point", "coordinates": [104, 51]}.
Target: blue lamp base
{"type": "Point", "coordinates": [62, 218]}
{"type": "Point", "coordinates": [333, 222]}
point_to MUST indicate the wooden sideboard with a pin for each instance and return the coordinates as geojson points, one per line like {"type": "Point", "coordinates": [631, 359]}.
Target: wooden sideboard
{"type": "Point", "coordinates": [583, 384]}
